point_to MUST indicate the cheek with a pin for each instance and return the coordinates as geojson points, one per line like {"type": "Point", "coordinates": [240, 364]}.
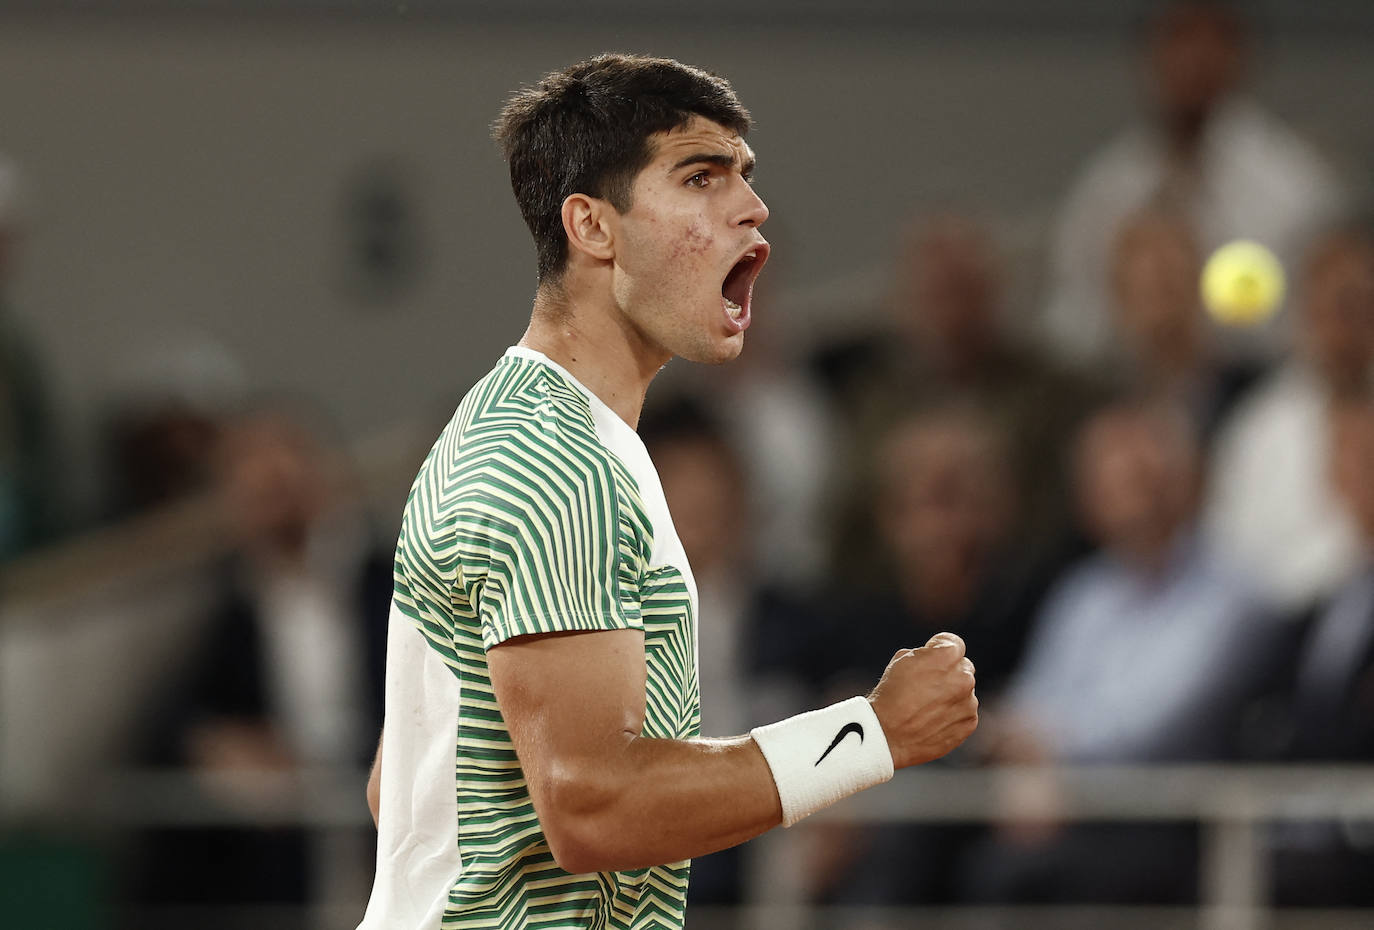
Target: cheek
{"type": "Point", "coordinates": [669, 250]}
{"type": "Point", "coordinates": [694, 242]}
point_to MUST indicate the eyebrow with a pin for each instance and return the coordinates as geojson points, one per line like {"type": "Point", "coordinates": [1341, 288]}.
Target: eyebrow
{"type": "Point", "coordinates": [715, 158]}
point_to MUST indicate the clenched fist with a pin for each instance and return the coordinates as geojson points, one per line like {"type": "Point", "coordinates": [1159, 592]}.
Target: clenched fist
{"type": "Point", "coordinates": [925, 701]}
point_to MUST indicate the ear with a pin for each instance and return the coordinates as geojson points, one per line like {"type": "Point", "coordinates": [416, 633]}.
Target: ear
{"type": "Point", "coordinates": [586, 223]}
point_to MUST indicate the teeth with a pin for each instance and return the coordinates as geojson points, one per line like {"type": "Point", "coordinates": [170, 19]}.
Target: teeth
{"type": "Point", "coordinates": [734, 309]}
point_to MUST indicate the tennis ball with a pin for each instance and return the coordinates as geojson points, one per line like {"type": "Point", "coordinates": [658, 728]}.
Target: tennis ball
{"type": "Point", "coordinates": [1242, 283]}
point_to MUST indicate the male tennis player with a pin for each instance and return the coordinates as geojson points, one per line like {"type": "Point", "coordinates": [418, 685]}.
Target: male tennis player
{"type": "Point", "coordinates": [541, 764]}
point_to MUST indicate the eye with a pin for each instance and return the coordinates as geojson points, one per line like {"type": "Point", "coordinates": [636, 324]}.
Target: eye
{"type": "Point", "coordinates": [700, 179]}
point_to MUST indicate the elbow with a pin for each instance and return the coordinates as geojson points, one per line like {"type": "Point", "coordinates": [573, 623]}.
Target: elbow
{"type": "Point", "coordinates": [574, 854]}
{"type": "Point", "coordinates": [577, 814]}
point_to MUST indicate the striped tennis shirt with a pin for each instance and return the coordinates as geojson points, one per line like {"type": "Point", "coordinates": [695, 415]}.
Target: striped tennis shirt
{"type": "Point", "coordinates": [536, 511]}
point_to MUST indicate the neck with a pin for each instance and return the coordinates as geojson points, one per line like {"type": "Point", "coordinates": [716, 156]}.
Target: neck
{"type": "Point", "coordinates": [598, 346]}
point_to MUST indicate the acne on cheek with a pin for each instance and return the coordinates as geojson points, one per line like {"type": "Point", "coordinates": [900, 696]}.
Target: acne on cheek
{"type": "Point", "coordinates": [694, 241]}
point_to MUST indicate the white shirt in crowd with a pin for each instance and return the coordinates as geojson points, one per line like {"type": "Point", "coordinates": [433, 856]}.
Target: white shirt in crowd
{"type": "Point", "coordinates": [1271, 506]}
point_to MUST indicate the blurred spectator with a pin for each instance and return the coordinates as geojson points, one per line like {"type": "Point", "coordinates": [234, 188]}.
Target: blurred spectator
{"type": "Point", "coordinates": [1143, 653]}
{"type": "Point", "coordinates": [290, 672]}
{"type": "Point", "coordinates": [756, 641]}
{"type": "Point", "coordinates": [1271, 505]}
{"type": "Point", "coordinates": [1203, 150]}
{"type": "Point", "coordinates": [168, 398]}
{"type": "Point", "coordinates": [309, 590]}
{"type": "Point", "coordinates": [947, 340]}
{"type": "Point", "coordinates": [1330, 688]}
{"type": "Point", "coordinates": [1168, 350]}
{"type": "Point", "coordinates": [944, 511]}
{"type": "Point", "coordinates": [26, 459]}
{"type": "Point", "coordinates": [945, 514]}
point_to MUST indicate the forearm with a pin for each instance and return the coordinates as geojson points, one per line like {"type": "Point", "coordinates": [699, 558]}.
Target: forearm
{"type": "Point", "coordinates": [610, 799]}
{"type": "Point", "coordinates": [655, 801]}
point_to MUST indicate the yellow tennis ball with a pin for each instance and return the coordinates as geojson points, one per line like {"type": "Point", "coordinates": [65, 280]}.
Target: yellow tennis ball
{"type": "Point", "coordinates": [1242, 283]}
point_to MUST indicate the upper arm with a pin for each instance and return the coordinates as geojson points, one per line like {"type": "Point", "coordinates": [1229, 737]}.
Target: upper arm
{"type": "Point", "coordinates": [552, 555]}
{"type": "Point", "coordinates": [572, 702]}
{"type": "Point", "coordinates": [560, 618]}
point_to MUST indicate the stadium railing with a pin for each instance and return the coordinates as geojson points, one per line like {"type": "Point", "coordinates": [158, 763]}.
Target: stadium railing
{"type": "Point", "coordinates": [1233, 804]}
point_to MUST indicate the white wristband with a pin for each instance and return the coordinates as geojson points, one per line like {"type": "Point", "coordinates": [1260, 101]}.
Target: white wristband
{"type": "Point", "coordinates": [824, 755]}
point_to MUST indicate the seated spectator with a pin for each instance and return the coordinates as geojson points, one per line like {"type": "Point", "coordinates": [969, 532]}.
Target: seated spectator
{"type": "Point", "coordinates": [1271, 505]}
{"type": "Point", "coordinates": [945, 512]}
{"type": "Point", "coordinates": [1330, 695]}
{"type": "Point", "coordinates": [290, 671]}
{"type": "Point", "coordinates": [1146, 652]}
{"type": "Point", "coordinates": [309, 591]}
{"type": "Point", "coordinates": [947, 340]}
{"type": "Point", "coordinates": [1168, 350]}
{"type": "Point", "coordinates": [1205, 151]}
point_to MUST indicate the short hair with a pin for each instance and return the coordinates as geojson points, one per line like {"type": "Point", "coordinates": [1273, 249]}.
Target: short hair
{"type": "Point", "coordinates": [585, 130]}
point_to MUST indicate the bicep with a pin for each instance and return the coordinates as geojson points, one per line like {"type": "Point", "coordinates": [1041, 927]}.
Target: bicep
{"type": "Point", "coordinates": [569, 699]}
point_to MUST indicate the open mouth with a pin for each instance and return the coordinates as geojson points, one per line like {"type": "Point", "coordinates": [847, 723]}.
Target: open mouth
{"type": "Point", "coordinates": [738, 288]}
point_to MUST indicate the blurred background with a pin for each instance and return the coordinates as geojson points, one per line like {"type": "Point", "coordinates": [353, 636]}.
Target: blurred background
{"type": "Point", "coordinates": [252, 253]}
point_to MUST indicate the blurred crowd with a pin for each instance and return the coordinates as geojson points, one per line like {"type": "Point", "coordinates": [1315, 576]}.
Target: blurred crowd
{"type": "Point", "coordinates": [1153, 530]}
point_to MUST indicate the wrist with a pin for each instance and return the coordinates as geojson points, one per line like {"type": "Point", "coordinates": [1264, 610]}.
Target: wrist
{"type": "Point", "coordinates": [822, 756]}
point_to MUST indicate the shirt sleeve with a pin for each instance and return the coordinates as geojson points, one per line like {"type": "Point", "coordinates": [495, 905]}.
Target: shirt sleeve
{"type": "Point", "coordinates": [545, 544]}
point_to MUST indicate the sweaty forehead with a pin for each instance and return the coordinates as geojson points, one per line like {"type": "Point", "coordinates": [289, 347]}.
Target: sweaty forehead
{"type": "Point", "coordinates": [703, 136]}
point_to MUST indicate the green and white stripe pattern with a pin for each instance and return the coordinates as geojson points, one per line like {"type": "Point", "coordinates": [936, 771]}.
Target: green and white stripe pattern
{"type": "Point", "coordinates": [522, 520]}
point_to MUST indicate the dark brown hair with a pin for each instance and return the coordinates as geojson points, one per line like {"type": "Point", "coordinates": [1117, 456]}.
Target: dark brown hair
{"type": "Point", "coordinates": [585, 130]}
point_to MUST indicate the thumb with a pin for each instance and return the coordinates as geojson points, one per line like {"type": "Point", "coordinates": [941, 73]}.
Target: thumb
{"type": "Point", "coordinates": [947, 641]}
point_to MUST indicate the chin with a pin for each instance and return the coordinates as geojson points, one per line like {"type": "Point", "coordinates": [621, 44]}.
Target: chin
{"type": "Point", "coordinates": [723, 352]}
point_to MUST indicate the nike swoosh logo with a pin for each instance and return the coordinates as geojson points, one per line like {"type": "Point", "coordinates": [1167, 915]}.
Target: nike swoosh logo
{"type": "Point", "coordinates": [845, 730]}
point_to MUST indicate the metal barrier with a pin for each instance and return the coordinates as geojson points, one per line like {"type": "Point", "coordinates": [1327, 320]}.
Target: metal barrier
{"type": "Point", "coordinates": [1232, 803]}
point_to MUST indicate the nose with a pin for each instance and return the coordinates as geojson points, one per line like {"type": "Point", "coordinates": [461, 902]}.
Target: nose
{"type": "Point", "coordinates": [754, 211]}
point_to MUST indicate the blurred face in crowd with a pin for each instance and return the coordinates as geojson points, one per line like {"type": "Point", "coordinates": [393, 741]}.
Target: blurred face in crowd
{"type": "Point", "coordinates": [944, 505]}
{"type": "Point", "coordinates": [1137, 481]}
{"type": "Point", "coordinates": [163, 453]}
{"type": "Point", "coordinates": [949, 293]}
{"type": "Point", "coordinates": [1155, 277]}
{"type": "Point", "coordinates": [1338, 311]}
{"type": "Point", "coordinates": [704, 487]}
{"type": "Point", "coordinates": [274, 479]}
{"type": "Point", "coordinates": [1196, 58]}
{"type": "Point", "coordinates": [1352, 460]}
